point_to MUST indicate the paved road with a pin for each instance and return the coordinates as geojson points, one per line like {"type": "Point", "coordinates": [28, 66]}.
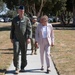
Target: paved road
{"type": "Point", "coordinates": [33, 67]}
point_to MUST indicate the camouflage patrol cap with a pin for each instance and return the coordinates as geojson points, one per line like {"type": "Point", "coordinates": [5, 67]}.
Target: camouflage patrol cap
{"type": "Point", "coordinates": [34, 17]}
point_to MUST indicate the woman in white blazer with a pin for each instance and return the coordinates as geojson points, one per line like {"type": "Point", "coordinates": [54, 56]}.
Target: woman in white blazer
{"type": "Point", "coordinates": [44, 37]}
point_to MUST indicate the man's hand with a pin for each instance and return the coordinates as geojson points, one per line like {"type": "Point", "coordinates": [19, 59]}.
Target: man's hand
{"type": "Point", "coordinates": [11, 40]}
{"type": "Point", "coordinates": [28, 41]}
{"type": "Point", "coordinates": [37, 45]}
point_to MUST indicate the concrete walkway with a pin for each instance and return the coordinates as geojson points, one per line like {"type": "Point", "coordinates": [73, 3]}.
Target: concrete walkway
{"type": "Point", "coordinates": [33, 66]}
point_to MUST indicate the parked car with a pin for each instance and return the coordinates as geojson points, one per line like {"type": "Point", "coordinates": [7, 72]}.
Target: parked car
{"type": "Point", "coordinates": [1, 20]}
{"type": "Point", "coordinates": [7, 19]}
{"type": "Point", "coordinates": [50, 20]}
{"type": "Point", "coordinates": [53, 19]}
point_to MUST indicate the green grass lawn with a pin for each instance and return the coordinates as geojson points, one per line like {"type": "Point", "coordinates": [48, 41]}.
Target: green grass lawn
{"type": "Point", "coordinates": [63, 53]}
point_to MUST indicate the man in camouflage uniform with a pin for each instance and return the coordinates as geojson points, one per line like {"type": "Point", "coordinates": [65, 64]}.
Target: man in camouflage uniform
{"type": "Point", "coordinates": [20, 37]}
{"type": "Point", "coordinates": [34, 25]}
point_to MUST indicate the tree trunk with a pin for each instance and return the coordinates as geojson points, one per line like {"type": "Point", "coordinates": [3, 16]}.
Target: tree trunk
{"type": "Point", "coordinates": [62, 18]}
{"type": "Point", "coordinates": [41, 6]}
{"type": "Point", "coordinates": [73, 14]}
{"type": "Point", "coordinates": [73, 1]}
{"type": "Point", "coordinates": [33, 9]}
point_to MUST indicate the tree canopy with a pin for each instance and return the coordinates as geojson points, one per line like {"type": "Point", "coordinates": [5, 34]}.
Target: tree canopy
{"type": "Point", "coordinates": [38, 7]}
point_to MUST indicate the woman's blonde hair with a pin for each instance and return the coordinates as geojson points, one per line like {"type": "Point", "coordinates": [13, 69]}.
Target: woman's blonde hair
{"type": "Point", "coordinates": [44, 17]}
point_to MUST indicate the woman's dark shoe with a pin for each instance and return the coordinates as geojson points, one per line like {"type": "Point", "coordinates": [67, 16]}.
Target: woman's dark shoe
{"type": "Point", "coordinates": [48, 70]}
{"type": "Point", "coordinates": [42, 68]}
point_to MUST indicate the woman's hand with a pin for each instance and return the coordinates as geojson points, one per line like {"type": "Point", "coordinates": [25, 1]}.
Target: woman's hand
{"type": "Point", "coordinates": [52, 44]}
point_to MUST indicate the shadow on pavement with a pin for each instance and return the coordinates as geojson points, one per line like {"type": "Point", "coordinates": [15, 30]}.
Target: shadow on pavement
{"type": "Point", "coordinates": [2, 70]}
{"type": "Point", "coordinates": [25, 71]}
{"type": "Point", "coordinates": [10, 72]}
